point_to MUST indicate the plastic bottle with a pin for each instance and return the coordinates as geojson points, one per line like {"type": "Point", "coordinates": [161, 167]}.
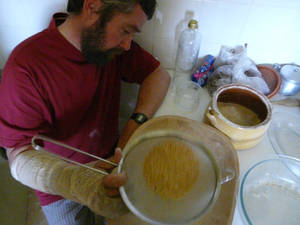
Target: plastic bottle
{"type": "Point", "coordinates": [188, 49]}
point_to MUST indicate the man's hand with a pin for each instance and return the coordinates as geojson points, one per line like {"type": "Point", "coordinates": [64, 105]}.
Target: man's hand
{"type": "Point", "coordinates": [113, 181]}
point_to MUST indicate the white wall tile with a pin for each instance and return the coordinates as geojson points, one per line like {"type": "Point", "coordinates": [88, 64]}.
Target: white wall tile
{"type": "Point", "coordinates": [145, 38]}
{"type": "Point", "coordinates": [278, 3]}
{"type": "Point", "coordinates": [222, 22]}
{"type": "Point", "coordinates": [270, 27]}
{"type": "Point", "coordinates": [296, 59]}
{"type": "Point", "coordinates": [10, 12]}
{"type": "Point", "coordinates": [272, 55]}
{"type": "Point", "coordinates": [232, 22]}
{"type": "Point", "coordinates": [32, 13]}
{"type": "Point", "coordinates": [23, 18]}
{"type": "Point", "coordinates": [38, 13]}
{"type": "Point", "coordinates": [172, 13]}
{"type": "Point", "coordinates": [145, 43]}
{"type": "Point", "coordinates": [271, 37]}
{"type": "Point", "coordinates": [10, 36]}
{"type": "Point", "coordinates": [231, 1]}
{"type": "Point", "coordinates": [211, 48]}
{"type": "Point", "coordinates": [162, 50]}
{"type": "Point", "coordinates": [171, 18]}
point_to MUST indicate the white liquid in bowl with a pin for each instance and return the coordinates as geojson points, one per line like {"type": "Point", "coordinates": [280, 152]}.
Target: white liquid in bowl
{"type": "Point", "coordinates": [273, 202]}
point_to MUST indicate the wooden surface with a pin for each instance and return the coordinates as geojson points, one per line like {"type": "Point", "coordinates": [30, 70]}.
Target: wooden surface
{"type": "Point", "coordinates": [222, 212]}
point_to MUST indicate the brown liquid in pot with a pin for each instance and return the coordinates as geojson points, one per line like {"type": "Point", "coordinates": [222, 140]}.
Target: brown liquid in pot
{"type": "Point", "coordinates": [239, 114]}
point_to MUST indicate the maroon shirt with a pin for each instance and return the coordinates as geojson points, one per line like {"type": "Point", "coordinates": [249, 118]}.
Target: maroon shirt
{"type": "Point", "coordinates": [49, 88]}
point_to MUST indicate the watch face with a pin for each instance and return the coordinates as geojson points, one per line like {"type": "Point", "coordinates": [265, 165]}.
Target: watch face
{"type": "Point", "coordinates": [139, 118]}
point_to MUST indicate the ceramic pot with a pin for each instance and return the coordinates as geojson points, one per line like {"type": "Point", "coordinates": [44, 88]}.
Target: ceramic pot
{"type": "Point", "coordinates": [242, 137]}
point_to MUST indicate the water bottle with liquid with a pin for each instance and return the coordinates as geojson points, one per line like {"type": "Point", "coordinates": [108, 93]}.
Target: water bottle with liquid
{"type": "Point", "coordinates": [188, 49]}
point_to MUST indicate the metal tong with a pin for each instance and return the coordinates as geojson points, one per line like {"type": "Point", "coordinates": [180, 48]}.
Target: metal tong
{"type": "Point", "coordinates": [47, 139]}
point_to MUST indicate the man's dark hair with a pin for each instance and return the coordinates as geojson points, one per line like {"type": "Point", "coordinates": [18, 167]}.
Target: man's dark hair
{"type": "Point", "coordinates": [123, 6]}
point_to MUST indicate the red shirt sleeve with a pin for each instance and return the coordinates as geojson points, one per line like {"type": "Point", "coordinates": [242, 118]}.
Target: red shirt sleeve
{"type": "Point", "coordinates": [23, 111]}
{"type": "Point", "coordinates": [136, 64]}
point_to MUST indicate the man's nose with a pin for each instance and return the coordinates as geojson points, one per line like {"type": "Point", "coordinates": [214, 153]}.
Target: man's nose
{"type": "Point", "coordinates": [126, 43]}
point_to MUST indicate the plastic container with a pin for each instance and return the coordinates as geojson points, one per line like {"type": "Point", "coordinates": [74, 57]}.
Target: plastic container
{"type": "Point", "coordinates": [188, 49]}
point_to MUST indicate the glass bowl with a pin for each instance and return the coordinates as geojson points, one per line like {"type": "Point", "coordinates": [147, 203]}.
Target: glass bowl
{"type": "Point", "coordinates": [284, 134]}
{"type": "Point", "coordinates": [270, 192]}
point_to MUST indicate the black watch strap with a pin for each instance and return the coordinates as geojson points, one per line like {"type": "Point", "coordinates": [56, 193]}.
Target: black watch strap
{"type": "Point", "coordinates": [139, 117]}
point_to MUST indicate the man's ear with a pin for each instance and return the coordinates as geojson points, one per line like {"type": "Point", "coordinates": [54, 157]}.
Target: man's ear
{"type": "Point", "coordinates": [90, 9]}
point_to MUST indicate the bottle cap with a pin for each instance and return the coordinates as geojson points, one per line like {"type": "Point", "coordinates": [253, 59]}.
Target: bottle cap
{"type": "Point", "coordinates": [193, 24]}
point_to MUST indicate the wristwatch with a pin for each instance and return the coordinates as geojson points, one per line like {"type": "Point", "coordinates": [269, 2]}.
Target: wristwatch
{"type": "Point", "coordinates": [139, 117]}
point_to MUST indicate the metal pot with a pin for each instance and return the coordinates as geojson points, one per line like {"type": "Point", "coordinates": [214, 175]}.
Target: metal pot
{"type": "Point", "coordinates": [290, 75]}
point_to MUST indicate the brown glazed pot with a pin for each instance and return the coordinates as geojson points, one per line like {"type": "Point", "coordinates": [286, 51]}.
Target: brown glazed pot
{"type": "Point", "coordinates": [242, 137]}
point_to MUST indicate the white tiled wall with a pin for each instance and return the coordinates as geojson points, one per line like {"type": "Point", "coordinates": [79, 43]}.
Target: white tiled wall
{"type": "Point", "coordinates": [19, 19]}
{"type": "Point", "coordinates": [270, 27]}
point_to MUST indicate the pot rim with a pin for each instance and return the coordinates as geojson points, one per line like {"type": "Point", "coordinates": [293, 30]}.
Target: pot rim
{"type": "Point", "coordinates": [262, 97]}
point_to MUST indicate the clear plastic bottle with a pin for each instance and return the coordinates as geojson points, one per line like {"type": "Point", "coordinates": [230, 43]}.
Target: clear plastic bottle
{"type": "Point", "coordinates": [188, 49]}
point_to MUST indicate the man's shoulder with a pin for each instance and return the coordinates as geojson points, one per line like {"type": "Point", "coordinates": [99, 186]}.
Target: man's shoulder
{"type": "Point", "coordinates": [31, 45]}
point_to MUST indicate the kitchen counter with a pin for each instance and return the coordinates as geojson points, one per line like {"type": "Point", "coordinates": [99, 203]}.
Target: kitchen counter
{"type": "Point", "coordinates": [247, 158]}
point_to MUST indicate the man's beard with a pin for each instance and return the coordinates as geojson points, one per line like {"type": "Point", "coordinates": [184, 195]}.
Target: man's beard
{"type": "Point", "coordinates": [92, 45]}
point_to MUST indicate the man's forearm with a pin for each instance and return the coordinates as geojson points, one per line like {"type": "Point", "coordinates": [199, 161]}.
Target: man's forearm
{"type": "Point", "coordinates": [44, 172]}
{"type": "Point", "coordinates": [152, 92]}
{"type": "Point", "coordinates": [151, 95]}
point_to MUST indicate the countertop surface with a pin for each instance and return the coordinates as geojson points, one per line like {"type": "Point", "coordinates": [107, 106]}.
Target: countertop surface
{"type": "Point", "coordinates": [247, 158]}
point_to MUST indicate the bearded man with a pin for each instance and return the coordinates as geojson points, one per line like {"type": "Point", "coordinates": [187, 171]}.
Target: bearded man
{"type": "Point", "coordinates": [64, 83]}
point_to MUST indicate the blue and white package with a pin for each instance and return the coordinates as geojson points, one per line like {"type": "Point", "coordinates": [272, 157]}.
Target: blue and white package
{"type": "Point", "coordinates": [201, 75]}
